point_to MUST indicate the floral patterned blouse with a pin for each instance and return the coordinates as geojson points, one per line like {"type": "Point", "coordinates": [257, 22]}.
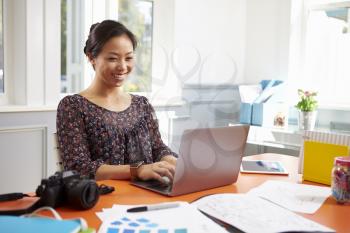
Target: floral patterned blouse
{"type": "Point", "coordinates": [90, 135]}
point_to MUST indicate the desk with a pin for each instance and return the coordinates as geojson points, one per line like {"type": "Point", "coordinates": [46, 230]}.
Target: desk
{"type": "Point", "coordinates": [330, 214]}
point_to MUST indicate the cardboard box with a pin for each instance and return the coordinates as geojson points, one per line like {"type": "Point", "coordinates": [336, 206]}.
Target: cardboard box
{"type": "Point", "coordinates": [270, 114]}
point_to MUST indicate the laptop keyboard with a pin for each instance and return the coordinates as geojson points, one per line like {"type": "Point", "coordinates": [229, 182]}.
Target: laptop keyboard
{"type": "Point", "coordinates": [155, 184]}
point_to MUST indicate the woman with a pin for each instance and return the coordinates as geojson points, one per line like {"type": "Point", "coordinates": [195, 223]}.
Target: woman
{"type": "Point", "coordinates": [105, 131]}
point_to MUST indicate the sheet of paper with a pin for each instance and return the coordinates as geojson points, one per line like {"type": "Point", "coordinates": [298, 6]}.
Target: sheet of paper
{"type": "Point", "coordinates": [249, 93]}
{"type": "Point", "coordinates": [183, 219]}
{"type": "Point", "coordinates": [250, 213]}
{"type": "Point", "coordinates": [295, 197]}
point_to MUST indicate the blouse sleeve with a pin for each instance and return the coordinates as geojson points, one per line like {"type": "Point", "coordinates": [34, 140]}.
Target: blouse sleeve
{"type": "Point", "coordinates": [159, 149]}
{"type": "Point", "coordinates": [72, 139]}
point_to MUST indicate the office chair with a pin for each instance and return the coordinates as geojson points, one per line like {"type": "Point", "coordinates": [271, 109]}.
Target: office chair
{"type": "Point", "coordinates": [56, 153]}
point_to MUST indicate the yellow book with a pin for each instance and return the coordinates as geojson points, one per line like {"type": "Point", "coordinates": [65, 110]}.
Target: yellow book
{"type": "Point", "coordinates": [319, 159]}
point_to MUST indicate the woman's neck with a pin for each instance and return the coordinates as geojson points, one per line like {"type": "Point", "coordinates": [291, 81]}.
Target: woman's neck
{"type": "Point", "coordinates": [99, 89]}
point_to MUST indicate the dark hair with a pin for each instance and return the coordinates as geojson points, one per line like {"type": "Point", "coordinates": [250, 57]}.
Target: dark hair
{"type": "Point", "coordinates": [100, 33]}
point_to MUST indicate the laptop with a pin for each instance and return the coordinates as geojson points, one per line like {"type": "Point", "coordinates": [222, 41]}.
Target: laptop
{"type": "Point", "coordinates": [208, 158]}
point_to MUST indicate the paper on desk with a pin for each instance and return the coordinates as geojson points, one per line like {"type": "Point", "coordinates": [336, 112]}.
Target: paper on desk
{"type": "Point", "coordinates": [250, 213]}
{"type": "Point", "coordinates": [295, 197]}
{"type": "Point", "coordinates": [184, 219]}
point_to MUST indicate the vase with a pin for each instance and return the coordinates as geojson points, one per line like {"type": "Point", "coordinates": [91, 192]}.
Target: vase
{"type": "Point", "coordinates": [307, 120]}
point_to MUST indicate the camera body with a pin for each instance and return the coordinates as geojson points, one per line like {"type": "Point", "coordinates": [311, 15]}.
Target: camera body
{"type": "Point", "coordinates": [68, 187]}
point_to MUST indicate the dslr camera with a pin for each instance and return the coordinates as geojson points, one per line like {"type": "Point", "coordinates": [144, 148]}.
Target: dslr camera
{"type": "Point", "coordinates": [68, 187]}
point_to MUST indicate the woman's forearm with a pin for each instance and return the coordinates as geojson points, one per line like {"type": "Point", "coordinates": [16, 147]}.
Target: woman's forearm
{"type": "Point", "coordinates": [115, 172]}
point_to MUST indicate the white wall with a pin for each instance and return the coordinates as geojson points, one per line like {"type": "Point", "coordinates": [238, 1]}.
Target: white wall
{"type": "Point", "coordinates": [216, 30]}
{"type": "Point", "coordinates": [196, 42]}
{"type": "Point", "coordinates": [267, 40]}
{"type": "Point", "coordinates": [252, 33]}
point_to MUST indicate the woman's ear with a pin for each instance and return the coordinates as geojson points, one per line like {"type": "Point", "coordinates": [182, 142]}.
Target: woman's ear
{"type": "Point", "coordinates": [91, 60]}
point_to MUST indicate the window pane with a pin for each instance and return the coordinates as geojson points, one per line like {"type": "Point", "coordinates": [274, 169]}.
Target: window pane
{"type": "Point", "coordinates": [137, 16]}
{"type": "Point", "coordinates": [2, 82]}
{"type": "Point", "coordinates": [72, 42]}
{"type": "Point", "coordinates": [327, 55]}
{"type": "Point", "coordinates": [64, 46]}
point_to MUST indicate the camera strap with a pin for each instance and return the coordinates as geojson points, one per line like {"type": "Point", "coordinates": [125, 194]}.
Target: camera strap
{"type": "Point", "coordinates": [12, 196]}
{"type": "Point", "coordinates": [18, 212]}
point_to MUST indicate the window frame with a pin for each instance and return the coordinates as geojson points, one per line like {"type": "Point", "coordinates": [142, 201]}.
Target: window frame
{"type": "Point", "coordinates": [297, 59]}
{"type": "Point", "coordinates": [4, 96]}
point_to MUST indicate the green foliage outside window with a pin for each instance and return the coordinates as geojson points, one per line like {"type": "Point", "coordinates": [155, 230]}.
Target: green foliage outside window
{"type": "Point", "coordinates": [137, 16]}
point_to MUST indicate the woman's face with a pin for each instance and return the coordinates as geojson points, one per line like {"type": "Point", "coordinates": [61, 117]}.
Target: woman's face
{"type": "Point", "coordinates": [115, 62]}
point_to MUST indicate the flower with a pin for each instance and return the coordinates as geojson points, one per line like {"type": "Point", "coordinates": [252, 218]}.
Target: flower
{"type": "Point", "coordinates": [307, 102]}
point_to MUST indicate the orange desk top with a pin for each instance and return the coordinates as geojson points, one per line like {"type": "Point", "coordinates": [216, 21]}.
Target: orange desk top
{"type": "Point", "coordinates": [330, 214]}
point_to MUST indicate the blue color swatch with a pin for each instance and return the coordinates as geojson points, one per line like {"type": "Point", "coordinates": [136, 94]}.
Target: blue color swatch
{"type": "Point", "coordinates": [163, 231]}
{"type": "Point", "coordinates": [125, 219]}
{"type": "Point", "coordinates": [112, 230]}
{"type": "Point", "coordinates": [144, 231]}
{"type": "Point", "coordinates": [182, 230]}
{"type": "Point", "coordinates": [116, 223]}
{"type": "Point", "coordinates": [152, 225]}
{"type": "Point", "coordinates": [132, 226]}
{"type": "Point", "coordinates": [142, 220]}
{"type": "Point", "coordinates": [129, 231]}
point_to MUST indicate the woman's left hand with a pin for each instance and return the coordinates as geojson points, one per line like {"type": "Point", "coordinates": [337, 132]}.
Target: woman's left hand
{"type": "Point", "coordinates": [170, 159]}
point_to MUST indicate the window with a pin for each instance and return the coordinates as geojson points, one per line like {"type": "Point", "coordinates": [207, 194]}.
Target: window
{"type": "Point", "coordinates": [327, 54]}
{"type": "Point", "coordinates": [2, 81]}
{"type": "Point", "coordinates": [64, 84]}
{"type": "Point", "coordinates": [76, 19]}
{"type": "Point", "coordinates": [320, 52]}
{"type": "Point", "coordinates": [137, 16]}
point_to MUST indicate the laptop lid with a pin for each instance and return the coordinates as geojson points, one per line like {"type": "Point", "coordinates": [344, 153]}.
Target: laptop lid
{"type": "Point", "coordinates": [208, 158]}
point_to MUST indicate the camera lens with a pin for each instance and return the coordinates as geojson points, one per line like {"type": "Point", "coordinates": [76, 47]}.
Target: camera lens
{"type": "Point", "coordinates": [82, 194]}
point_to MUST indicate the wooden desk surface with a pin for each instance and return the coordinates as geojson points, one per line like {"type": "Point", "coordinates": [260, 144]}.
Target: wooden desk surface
{"type": "Point", "coordinates": [330, 214]}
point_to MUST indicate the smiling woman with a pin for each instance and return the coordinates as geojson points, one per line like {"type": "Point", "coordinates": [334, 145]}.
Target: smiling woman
{"type": "Point", "coordinates": [110, 49]}
{"type": "Point", "coordinates": [105, 131]}
{"type": "Point", "coordinates": [76, 17]}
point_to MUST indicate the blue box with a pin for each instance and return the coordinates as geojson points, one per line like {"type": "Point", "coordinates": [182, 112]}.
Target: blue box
{"type": "Point", "coordinates": [245, 113]}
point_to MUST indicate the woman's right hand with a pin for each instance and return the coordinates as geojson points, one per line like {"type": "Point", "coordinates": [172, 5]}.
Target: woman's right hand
{"type": "Point", "coordinates": [156, 171]}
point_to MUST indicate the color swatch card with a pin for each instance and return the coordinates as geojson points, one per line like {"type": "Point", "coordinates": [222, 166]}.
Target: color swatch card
{"type": "Point", "coordinates": [182, 219]}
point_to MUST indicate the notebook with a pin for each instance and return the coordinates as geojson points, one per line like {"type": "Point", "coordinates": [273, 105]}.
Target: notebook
{"type": "Point", "coordinates": [38, 224]}
{"type": "Point", "coordinates": [324, 137]}
{"type": "Point", "coordinates": [319, 159]}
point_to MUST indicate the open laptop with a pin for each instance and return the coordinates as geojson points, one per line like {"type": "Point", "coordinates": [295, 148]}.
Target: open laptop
{"type": "Point", "coordinates": [208, 158]}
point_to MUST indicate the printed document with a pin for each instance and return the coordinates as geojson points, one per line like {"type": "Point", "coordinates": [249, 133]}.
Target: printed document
{"type": "Point", "coordinates": [250, 213]}
{"type": "Point", "coordinates": [295, 197]}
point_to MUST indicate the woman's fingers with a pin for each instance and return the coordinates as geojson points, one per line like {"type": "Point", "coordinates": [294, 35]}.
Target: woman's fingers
{"type": "Point", "coordinates": [168, 166]}
{"type": "Point", "coordinates": [162, 171]}
{"type": "Point", "coordinates": [157, 171]}
{"type": "Point", "coordinates": [158, 177]}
